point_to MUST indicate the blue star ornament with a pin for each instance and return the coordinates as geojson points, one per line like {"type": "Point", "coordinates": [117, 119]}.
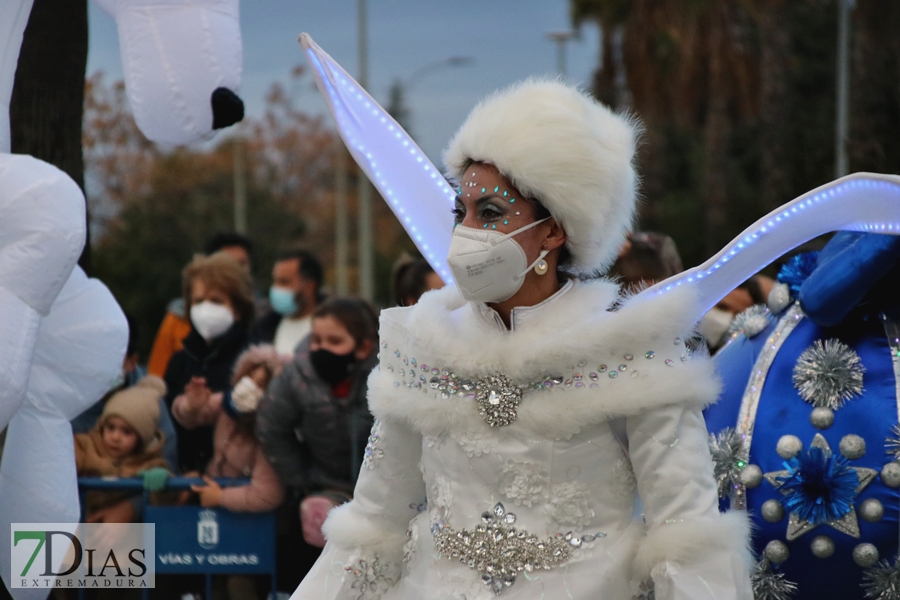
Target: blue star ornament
{"type": "Point", "coordinates": [820, 489]}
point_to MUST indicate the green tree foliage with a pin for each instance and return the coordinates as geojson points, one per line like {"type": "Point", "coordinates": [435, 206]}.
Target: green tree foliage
{"type": "Point", "coordinates": [152, 208]}
{"type": "Point", "coordinates": [738, 102]}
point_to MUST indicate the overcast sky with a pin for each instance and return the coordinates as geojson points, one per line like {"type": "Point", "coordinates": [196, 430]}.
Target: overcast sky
{"type": "Point", "coordinates": [506, 39]}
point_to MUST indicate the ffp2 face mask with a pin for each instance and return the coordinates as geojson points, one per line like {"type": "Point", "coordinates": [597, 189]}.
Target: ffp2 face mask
{"type": "Point", "coordinates": [489, 266]}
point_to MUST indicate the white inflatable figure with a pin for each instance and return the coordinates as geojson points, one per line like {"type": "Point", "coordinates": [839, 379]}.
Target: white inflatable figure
{"type": "Point", "coordinates": [78, 354]}
{"type": "Point", "coordinates": [182, 65]}
{"type": "Point", "coordinates": [420, 197]}
{"type": "Point", "coordinates": [62, 335]}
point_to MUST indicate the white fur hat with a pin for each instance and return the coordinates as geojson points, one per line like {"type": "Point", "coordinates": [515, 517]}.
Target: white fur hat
{"type": "Point", "coordinates": [558, 145]}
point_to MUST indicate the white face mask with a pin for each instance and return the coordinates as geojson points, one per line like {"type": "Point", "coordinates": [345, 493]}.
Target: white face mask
{"type": "Point", "coordinates": [245, 395]}
{"type": "Point", "coordinates": [211, 320]}
{"type": "Point", "coordinates": [489, 266]}
{"type": "Point", "coordinates": [714, 325]}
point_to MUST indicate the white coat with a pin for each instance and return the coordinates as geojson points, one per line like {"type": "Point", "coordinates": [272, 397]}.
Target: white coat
{"type": "Point", "coordinates": [608, 430]}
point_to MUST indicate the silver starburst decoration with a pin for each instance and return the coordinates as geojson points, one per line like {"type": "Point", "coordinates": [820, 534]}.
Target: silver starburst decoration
{"type": "Point", "coordinates": [727, 450]}
{"type": "Point", "coordinates": [849, 523]}
{"type": "Point", "coordinates": [769, 585]}
{"type": "Point", "coordinates": [828, 374]}
{"type": "Point", "coordinates": [881, 581]}
{"type": "Point", "coordinates": [751, 321]}
{"type": "Point", "coordinates": [892, 443]}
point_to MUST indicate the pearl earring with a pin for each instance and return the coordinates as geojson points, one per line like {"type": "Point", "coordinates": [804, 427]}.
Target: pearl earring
{"type": "Point", "coordinates": [541, 267]}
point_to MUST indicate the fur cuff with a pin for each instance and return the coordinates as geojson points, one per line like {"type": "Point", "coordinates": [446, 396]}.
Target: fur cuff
{"type": "Point", "coordinates": [693, 540]}
{"type": "Point", "coordinates": [349, 529]}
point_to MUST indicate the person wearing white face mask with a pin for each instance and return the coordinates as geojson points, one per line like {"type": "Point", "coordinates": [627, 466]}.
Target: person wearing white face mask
{"type": "Point", "coordinates": [218, 298]}
{"type": "Point", "coordinates": [538, 434]}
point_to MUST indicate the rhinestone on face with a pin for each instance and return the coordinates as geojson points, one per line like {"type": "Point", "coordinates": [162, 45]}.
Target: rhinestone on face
{"type": "Point", "coordinates": [612, 374]}
{"type": "Point", "coordinates": [670, 362]}
{"type": "Point", "coordinates": [650, 354]}
{"type": "Point", "coordinates": [623, 368]}
{"type": "Point", "coordinates": [602, 368]}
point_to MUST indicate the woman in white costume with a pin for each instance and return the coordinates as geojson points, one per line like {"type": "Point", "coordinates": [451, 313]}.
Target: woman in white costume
{"type": "Point", "coordinates": [537, 437]}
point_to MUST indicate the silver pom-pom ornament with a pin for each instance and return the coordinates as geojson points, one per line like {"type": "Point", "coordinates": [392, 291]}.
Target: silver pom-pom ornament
{"type": "Point", "coordinates": [852, 446]}
{"type": "Point", "coordinates": [772, 511]}
{"type": "Point", "coordinates": [822, 546]}
{"type": "Point", "coordinates": [751, 321]}
{"type": "Point", "coordinates": [828, 374]}
{"type": "Point", "coordinates": [890, 474]}
{"type": "Point", "coordinates": [727, 453]}
{"type": "Point", "coordinates": [892, 443]}
{"type": "Point", "coordinates": [871, 510]}
{"type": "Point", "coordinates": [776, 552]}
{"type": "Point", "coordinates": [881, 581]}
{"type": "Point", "coordinates": [821, 417]}
{"type": "Point", "coordinates": [788, 446]}
{"type": "Point", "coordinates": [751, 476]}
{"type": "Point", "coordinates": [865, 555]}
{"type": "Point", "coordinates": [779, 298]}
{"type": "Point", "coordinates": [768, 585]}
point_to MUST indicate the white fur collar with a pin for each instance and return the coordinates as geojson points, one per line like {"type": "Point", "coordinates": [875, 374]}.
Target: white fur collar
{"type": "Point", "coordinates": [574, 337]}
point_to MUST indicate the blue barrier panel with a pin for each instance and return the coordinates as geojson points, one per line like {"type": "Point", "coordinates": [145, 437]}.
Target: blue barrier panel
{"type": "Point", "coordinates": [196, 540]}
{"type": "Point", "coordinates": [192, 539]}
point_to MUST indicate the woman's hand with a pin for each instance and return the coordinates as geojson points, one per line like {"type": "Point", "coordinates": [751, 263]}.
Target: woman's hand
{"type": "Point", "coordinates": [210, 494]}
{"type": "Point", "coordinates": [313, 511]}
{"type": "Point", "coordinates": [197, 392]}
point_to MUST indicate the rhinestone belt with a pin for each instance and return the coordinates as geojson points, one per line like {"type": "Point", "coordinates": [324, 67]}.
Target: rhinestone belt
{"type": "Point", "coordinates": [500, 552]}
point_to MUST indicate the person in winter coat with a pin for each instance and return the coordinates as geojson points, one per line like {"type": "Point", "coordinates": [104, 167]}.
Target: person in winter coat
{"type": "Point", "coordinates": [219, 299]}
{"type": "Point", "coordinates": [313, 422]}
{"type": "Point", "coordinates": [126, 442]}
{"type": "Point", "coordinates": [537, 434]}
{"type": "Point", "coordinates": [236, 451]}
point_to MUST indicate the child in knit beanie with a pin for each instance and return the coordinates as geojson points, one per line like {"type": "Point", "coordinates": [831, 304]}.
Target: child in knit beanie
{"type": "Point", "coordinates": [125, 442]}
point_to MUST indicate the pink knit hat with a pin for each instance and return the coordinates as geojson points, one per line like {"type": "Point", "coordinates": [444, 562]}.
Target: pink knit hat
{"type": "Point", "coordinates": [258, 355]}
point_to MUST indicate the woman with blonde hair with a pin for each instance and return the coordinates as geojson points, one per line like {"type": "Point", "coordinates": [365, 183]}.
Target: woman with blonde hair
{"type": "Point", "coordinates": [218, 297]}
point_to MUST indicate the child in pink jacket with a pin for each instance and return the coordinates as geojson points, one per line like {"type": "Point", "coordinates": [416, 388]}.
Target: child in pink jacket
{"type": "Point", "coordinates": [236, 451]}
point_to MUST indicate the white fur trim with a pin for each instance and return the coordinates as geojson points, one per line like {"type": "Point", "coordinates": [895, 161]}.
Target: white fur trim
{"type": "Point", "coordinates": [570, 337]}
{"type": "Point", "coordinates": [691, 541]}
{"type": "Point", "coordinates": [349, 529]}
{"type": "Point", "coordinates": [560, 146]}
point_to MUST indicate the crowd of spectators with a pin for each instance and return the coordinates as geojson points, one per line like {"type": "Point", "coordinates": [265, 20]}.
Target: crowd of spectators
{"type": "Point", "coordinates": [271, 388]}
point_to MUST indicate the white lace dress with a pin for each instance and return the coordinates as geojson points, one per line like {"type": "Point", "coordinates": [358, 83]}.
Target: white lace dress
{"type": "Point", "coordinates": [565, 458]}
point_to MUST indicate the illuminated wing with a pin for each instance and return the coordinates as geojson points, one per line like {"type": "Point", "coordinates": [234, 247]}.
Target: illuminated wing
{"type": "Point", "coordinates": [413, 187]}
{"type": "Point", "coordinates": [868, 202]}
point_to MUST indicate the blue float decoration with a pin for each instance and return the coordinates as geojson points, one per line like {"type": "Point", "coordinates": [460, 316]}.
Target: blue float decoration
{"type": "Point", "coordinates": [796, 270]}
{"type": "Point", "coordinates": [821, 486]}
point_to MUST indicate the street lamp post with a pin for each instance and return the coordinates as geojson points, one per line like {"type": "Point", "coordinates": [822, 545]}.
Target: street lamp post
{"type": "Point", "coordinates": [843, 88]}
{"type": "Point", "coordinates": [561, 37]}
{"type": "Point", "coordinates": [364, 188]}
{"type": "Point", "coordinates": [403, 86]}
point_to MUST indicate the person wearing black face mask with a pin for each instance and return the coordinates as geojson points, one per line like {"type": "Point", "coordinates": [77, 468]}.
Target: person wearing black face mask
{"type": "Point", "coordinates": [314, 421]}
